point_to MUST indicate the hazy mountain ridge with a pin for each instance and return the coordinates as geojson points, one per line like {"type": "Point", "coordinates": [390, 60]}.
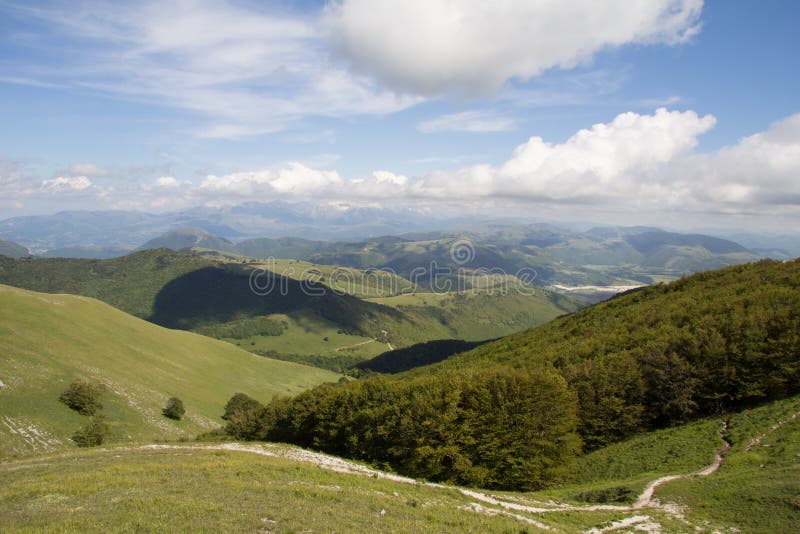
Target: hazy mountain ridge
{"type": "Point", "coordinates": [13, 250]}
{"type": "Point", "coordinates": [599, 256]}
{"type": "Point", "coordinates": [188, 237]}
{"type": "Point", "coordinates": [129, 229]}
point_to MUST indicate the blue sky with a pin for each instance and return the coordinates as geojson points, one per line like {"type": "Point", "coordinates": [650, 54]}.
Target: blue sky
{"type": "Point", "coordinates": [451, 105]}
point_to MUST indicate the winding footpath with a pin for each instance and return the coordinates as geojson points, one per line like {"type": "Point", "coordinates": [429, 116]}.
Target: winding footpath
{"type": "Point", "coordinates": [499, 506]}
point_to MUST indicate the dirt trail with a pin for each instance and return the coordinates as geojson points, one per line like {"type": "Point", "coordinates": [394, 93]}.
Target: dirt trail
{"type": "Point", "coordinates": [356, 345]}
{"type": "Point", "coordinates": [646, 497]}
{"type": "Point", "coordinates": [757, 440]}
{"type": "Point", "coordinates": [503, 506]}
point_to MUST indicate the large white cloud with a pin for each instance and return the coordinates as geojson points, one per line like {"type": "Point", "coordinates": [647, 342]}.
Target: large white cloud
{"type": "Point", "coordinates": [608, 162]}
{"type": "Point", "coordinates": [473, 46]}
{"type": "Point", "coordinates": [294, 179]}
{"type": "Point", "coordinates": [760, 170]}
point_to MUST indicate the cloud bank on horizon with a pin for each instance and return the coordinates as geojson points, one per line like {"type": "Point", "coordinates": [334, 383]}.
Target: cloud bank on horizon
{"type": "Point", "coordinates": [452, 66]}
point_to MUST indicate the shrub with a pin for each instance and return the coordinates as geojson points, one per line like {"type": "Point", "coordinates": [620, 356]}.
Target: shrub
{"type": "Point", "coordinates": [239, 403]}
{"type": "Point", "coordinates": [174, 409]}
{"type": "Point", "coordinates": [92, 434]}
{"type": "Point", "coordinates": [83, 396]}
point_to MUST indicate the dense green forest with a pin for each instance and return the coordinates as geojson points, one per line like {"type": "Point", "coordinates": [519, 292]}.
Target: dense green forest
{"type": "Point", "coordinates": [514, 412]}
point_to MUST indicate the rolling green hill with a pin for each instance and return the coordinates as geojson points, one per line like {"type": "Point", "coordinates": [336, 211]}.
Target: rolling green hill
{"type": "Point", "coordinates": [312, 314]}
{"type": "Point", "coordinates": [47, 341]}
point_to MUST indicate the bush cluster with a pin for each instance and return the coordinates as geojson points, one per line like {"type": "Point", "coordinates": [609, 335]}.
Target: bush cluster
{"type": "Point", "coordinates": [84, 396]}
{"type": "Point", "coordinates": [174, 409]}
{"type": "Point", "coordinates": [93, 434]}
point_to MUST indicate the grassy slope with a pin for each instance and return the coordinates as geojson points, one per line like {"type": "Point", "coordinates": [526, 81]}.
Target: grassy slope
{"type": "Point", "coordinates": [756, 490]}
{"type": "Point", "coordinates": [135, 489]}
{"type": "Point", "coordinates": [46, 341]}
{"type": "Point", "coordinates": [191, 491]}
{"type": "Point", "coordinates": [476, 315]}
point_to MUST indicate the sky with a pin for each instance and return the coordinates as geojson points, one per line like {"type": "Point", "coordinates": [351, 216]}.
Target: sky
{"type": "Point", "coordinates": [679, 113]}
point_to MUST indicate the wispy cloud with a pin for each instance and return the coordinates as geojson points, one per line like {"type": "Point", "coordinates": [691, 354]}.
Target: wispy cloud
{"type": "Point", "coordinates": [30, 82]}
{"type": "Point", "coordinates": [652, 103]}
{"type": "Point", "coordinates": [476, 121]}
{"type": "Point", "coordinates": [250, 69]}
{"type": "Point", "coordinates": [247, 70]}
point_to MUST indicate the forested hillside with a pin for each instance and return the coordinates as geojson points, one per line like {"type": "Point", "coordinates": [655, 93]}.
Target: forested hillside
{"type": "Point", "coordinates": [512, 413]}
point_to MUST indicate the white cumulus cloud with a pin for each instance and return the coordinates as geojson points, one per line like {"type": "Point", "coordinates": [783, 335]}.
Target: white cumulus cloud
{"type": "Point", "coordinates": [66, 183]}
{"type": "Point", "coordinates": [609, 160]}
{"type": "Point", "coordinates": [761, 169]}
{"type": "Point", "coordinates": [295, 178]}
{"type": "Point", "coordinates": [471, 46]}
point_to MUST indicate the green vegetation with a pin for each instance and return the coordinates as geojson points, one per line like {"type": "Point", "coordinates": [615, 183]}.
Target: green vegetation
{"type": "Point", "coordinates": [231, 487]}
{"type": "Point", "coordinates": [710, 343]}
{"type": "Point", "coordinates": [188, 237]}
{"type": "Point", "coordinates": [48, 340]}
{"type": "Point", "coordinates": [239, 403]}
{"type": "Point", "coordinates": [220, 491]}
{"type": "Point", "coordinates": [661, 452]}
{"type": "Point", "coordinates": [245, 328]}
{"type": "Point", "coordinates": [93, 434]}
{"type": "Point", "coordinates": [758, 487]}
{"type": "Point", "coordinates": [130, 283]}
{"type": "Point", "coordinates": [174, 409]}
{"type": "Point", "coordinates": [213, 297]}
{"type": "Point", "coordinates": [83, 396]}
{"type": "Point", "coordinates": [599, 256]}
{"type": "Point", "coordinates": [503, 429]}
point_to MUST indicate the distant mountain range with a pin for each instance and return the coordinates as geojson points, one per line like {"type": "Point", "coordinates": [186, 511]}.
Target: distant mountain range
{"type": "Point", "coordinates": [129, 229]}
{"type": "Point", "coordinates": [603, 256]}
